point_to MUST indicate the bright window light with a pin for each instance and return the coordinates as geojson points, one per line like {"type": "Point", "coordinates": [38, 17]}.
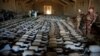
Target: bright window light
{"type": "Point", "coordinates": [47, 9]}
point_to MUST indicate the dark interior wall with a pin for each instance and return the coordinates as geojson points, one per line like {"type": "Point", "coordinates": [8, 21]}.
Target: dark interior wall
{"type": "Point", "coordinates": [23, 6]}
{"type": "Point", "coordinates": [7, 5]}
{"type": "Point", "coordinates": [57, 9]}
{"type": "Point", "coordinates": [81, 4]}
{"type": "Point", "coordinates": [96, 4]}
{"type": "Point", "coordinates": [72, 9]}
{"type": "Point", "coordinates": [19, 6]}
{"type": "Point", "coordinates": [69, 10]}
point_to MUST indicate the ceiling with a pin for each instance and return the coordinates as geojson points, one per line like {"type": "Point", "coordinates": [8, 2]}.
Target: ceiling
{"type": "Point", "coordinates": [62, 2]}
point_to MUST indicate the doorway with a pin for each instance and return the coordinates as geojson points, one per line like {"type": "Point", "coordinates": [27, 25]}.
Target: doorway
{"type": "Point", "coordinates": [48, 9]}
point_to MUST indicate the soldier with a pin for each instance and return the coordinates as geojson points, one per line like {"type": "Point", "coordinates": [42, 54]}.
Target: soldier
{"type": "Point", "coordinates": [90, 19]}
{"type": "Point", "coordinates": [30, 12]}
{"type": "Point", "coordinates": [78, 20]}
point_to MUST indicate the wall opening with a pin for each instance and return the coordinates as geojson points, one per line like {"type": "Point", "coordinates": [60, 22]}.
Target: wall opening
{"type": "Point", "coordinates": [48, 9]}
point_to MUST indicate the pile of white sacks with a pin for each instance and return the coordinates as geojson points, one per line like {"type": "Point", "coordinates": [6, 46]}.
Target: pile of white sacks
{"type": "Point", "coordinates": [34, 41]}
{"type": "Point", "coordinates": [70, 37]}
{"type": "Point", "coordinates": [33, 38]}
{"type": "Point", "coordinates": [95, 50]}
